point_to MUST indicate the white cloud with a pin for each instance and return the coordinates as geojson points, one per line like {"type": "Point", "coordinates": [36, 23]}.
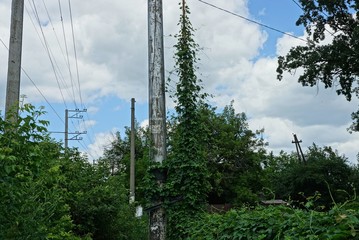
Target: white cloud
{"type": "Point", "coordinates": [87, 124]}
{"type": "Point", "coordinates": [102, 141]}
{"type": "Point", "coordinates": [111, 41]}
{"type": "Point", "coordinates": [144, 123]}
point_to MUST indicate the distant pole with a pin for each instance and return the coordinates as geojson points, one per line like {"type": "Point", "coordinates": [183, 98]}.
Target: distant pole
{"type": "Point", "coordinates": [132, 165]}
{"type": "Point", "coordinates": [157, 107]}
{"type": "Point", "coordinates": [75, 135]}
{"type": "Point", "coordinates": [14, 61]}
{"type": "Point", "coordinates": [66, 128]}
{"type": "Point", "coordinates": [299, 149]}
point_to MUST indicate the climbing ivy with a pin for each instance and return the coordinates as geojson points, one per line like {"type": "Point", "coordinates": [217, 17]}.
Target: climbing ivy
{"type": "Point", "coordinates": [187, 176]}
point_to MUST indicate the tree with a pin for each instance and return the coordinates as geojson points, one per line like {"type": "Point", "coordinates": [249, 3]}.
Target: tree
{"type": "Point", "coordinates": [325, 174]}
{"type": "Point", "coordinates": [31, 194]}
{"type": "Point", "coordinates": [335, 64]}
{"type": "Point", "coordinates": [234, 154]}
{"type": "Point", "coordinates": [49, 193]}
{"type": "Point", "coordinates": [98, 200]}
{"type": "Point", "coordinates": [118, 157]}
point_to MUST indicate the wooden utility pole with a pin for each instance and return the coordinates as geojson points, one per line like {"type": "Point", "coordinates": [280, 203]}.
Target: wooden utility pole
{"type": "Point", "coordinates": [132, 165]}
{"type": "Point", "coordinates": [14, 62]}
{"type": "Point", "coordinates": [301, 157]}
{"type": "Point", "coordinates": [157, 108]}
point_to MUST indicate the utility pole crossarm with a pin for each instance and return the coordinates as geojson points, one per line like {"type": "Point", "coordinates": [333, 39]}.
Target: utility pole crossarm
{"type": "Point", "coordinates": [75, 115]}
{"type": "Point", "coordinates": [298, 148]}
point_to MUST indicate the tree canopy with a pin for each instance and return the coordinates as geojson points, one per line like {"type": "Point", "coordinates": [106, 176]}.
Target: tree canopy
{"type": "Point", "coordinates": [332, 50]}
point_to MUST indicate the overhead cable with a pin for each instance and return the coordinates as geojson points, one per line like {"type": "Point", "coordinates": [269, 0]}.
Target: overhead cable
{"type": "Point", "coordinates": [252, 21]}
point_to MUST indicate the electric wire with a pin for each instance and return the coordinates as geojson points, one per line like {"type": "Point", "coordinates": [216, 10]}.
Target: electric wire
{"type": "Point", "coordinates": [66, 50]}
{"type": "Point", "coordinates": [53, 62]}
{"type": "Point", "coordinates": [28, 76]}
{"type": "Point", "coordinates": [87, 150]}
{"type": "Point", "coordinates": [77, 70]}
{"type": "Point", "coordinates": [252, 21]}
{"type": "Point", "coordinates": [47, 48]}
{"type": "Point", "coordinates": [87, 135]}
{"type": "Point", "coordinates": [267, 26]}
{"type": "Point", "coordinates": [296, 3]}
{"type": "Point", "coordinates": [76, 61]}
{"type": "Point", "coordinates": [50, 54]}
{"type": "Point", "coordinates": [60, 47]}
{"type": "Point", "coordinates": [75, 53]}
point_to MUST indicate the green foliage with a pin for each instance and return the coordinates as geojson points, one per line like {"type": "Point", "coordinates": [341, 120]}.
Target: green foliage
{"type": "Point", "coordinates": [334, 63]}
{"type": "Point", "coordinates": [325, 172]}
{"type": "Point", "coordinates": [277, 222]}
{"type": "Point", "coordinates": [187, 172]}
{"type": "Point", "coordinates": [46, 194]}
{"type": "Point", "coordinates": [98, 201]}
{"type": "Point", "coordinates": [118, 157]}
{"type": "Point", "coordinates": [32, 200]}
{"type": "Point", "coordinates": [234, 154]}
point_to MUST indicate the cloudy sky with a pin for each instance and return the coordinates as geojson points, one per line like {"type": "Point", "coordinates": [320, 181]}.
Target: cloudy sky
{"type": "Point", "coordinates": [106, 66]}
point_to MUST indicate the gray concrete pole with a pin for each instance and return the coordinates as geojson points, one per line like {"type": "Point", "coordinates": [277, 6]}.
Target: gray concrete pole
{"type": "Point", "coordinates": [132, 165]}
{"type": "Point", "coordinates": [157, 107]}
{"type": "Point", "coordinates": [14, 62]}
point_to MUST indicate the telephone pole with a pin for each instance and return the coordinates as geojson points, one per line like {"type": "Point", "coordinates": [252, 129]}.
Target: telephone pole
{"type": "Point", "coordinates": [301, 157]}
{"type": "Point", "coordinates": [157, 108]}
{"type": "Point", "coordinates": [132, 165]}
{"type": "Point", "coordinates": [14, 61]}
{"type": "Point", "coordinates": [76, 134]}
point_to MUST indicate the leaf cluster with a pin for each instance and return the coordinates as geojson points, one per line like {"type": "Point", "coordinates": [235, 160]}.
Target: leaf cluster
{"type": "Point", "coordinates": [277, 222]}
{"type": "Point", "coordinates": [335, 63]}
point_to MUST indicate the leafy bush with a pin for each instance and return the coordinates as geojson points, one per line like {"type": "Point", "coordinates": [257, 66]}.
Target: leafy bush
{"type": "Point", "coordinates": [33, 206]}
{"type": "Point", "coordinates": [46, 194]}
{"type": "Point", "coordinates": [278, 222]}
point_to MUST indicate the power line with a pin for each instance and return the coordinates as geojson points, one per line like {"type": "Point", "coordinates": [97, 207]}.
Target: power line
{"type": "Point", "coordinates": [296, 3]}
{"type": "Point", "coordinates": [75, 52]}
{"type": "Point", "coordinates": [55, 67]}
{"type": "Point", "coordinates": [46, 46]}
{"type": "Point", "coordinates": [48, 15]}
{"type": "Point", "coordinates": [28, 76]}
{"type": "Point", "coordinates": [252, 21]}
{"type": "Point", "coordinates": [67, 51]}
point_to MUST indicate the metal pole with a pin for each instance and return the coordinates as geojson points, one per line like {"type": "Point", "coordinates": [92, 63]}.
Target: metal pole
{"type": "Point", "coordinates": [66, 128]}
{"type": "Point", "coordinates": [132, 165]}
{"type": "Point", "coordinates": [14, 61]}
{"type": "Point", "coordinates": [157, 110]}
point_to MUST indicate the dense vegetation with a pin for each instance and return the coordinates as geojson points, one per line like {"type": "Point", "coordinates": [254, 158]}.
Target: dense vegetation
{"type": "Point", "coordinates": [47, 192]}
{"type": "Point", "coordinates": [53, 194]}
{"type": "Point", "coordinates": [278, 222]}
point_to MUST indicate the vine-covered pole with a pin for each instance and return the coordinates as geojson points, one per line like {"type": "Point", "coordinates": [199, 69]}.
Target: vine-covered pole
{"type": "Point", "coordinates": [157, 109]}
